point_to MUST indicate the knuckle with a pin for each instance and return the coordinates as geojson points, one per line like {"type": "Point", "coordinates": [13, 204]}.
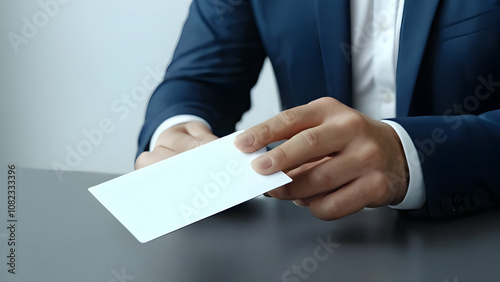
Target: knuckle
{"type": "Point", "coordinates": [263, 131]}
{"type": "Point", "coordinates": [371, 155]}
{"type": "Point", "coordinates": [311, 137]}
{"type": "Point", "coordinates": [325, 105]}
{"type": "Point", "coordinates": [288, 117]}
{"type": "Point", "coordinates": [328, 101]}
{"type": "Point", "coordinates": [321, 179]}
{"type": "Point", "coordinates": [354, 120]}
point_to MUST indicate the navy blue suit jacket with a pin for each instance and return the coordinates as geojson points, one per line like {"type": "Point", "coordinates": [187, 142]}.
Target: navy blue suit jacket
{"type": "Point", "coordinates": [448, 79]}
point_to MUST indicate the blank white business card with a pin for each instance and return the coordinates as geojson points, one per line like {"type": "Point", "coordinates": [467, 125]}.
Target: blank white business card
{"type": "Point", "coordinates": [163, 197]}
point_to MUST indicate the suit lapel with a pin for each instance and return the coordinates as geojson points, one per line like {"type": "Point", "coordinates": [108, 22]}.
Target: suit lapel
{"type": "Point", "coordinates": [335, 38]}
{"type": "Point", "coordinates": [333, 20]}
{"type": "Point", "coordinates": [415, 27]}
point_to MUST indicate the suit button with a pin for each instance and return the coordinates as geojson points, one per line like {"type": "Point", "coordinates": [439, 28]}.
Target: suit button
{"type": "Point", "coordinates": [447, 205]}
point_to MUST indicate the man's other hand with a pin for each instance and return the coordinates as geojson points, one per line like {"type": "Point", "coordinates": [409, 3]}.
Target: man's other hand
{"type": "Point", "coordinates": [175, 140]}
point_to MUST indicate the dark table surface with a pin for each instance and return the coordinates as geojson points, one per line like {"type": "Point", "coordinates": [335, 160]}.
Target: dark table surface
{"type": "Point", "coordinates": [64, 234]}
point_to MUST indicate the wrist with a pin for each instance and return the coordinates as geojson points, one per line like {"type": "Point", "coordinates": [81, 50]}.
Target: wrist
{"type": "Point", "coordinates": [415, 193]}
{"type": "Point", "coordinates": [398, 172]}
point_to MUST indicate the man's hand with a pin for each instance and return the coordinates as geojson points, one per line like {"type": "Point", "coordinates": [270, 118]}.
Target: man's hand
{"type": "Point", "coordinates": [339, 159]}
{"type": "Point", "coordinates": [175, 140]}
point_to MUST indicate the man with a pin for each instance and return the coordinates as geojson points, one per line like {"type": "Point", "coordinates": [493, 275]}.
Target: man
{"type": "Point", "coordinates": [430, 68]}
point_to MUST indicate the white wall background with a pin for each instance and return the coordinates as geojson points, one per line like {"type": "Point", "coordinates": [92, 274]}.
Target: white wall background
{"type": "Point", "coordinates": [69, 66]}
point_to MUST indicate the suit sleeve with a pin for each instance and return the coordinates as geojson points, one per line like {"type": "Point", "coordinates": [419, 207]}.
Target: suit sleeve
{"type": "Point", "coordinates": [216, 62]}
{"type": "Point", "coordinates": [460, 160]}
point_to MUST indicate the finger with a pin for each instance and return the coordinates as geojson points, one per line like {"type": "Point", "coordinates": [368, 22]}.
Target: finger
{"type": "Point", "coordinates": [298, 170]}
{"type": "Point", "coordinates": [325, 177]}
{"type": "Point", "coordinates": [349, 199]}
{"type": "Point", "coordinates": [311, 143]}
{"type": "Point", "coordinates": [294, 172]}
{"type": "Point", "coordinates": [149, 158]}
{"type": "Point", "coordinates": [282, 126]}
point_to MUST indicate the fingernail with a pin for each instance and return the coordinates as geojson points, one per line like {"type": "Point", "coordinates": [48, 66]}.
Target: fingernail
{"type": "Point", "coordinates": [299, 203]}
{"type": "Point", "coordinates": [245, 139]}
{"type": "Point", "coordinates": [267, 195]}
{"type": "Point", "coordinates": [262, 163]}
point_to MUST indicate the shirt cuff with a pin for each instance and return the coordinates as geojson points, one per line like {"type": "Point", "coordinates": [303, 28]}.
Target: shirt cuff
{"type": "Point", "coordinates": [175, 120]}
{"type": "Point", "coordinates": [415, 196]}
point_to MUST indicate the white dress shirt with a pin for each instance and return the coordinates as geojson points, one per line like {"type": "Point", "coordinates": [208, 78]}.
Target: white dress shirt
{"type": "Point", "coordinates": [375, 29]}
